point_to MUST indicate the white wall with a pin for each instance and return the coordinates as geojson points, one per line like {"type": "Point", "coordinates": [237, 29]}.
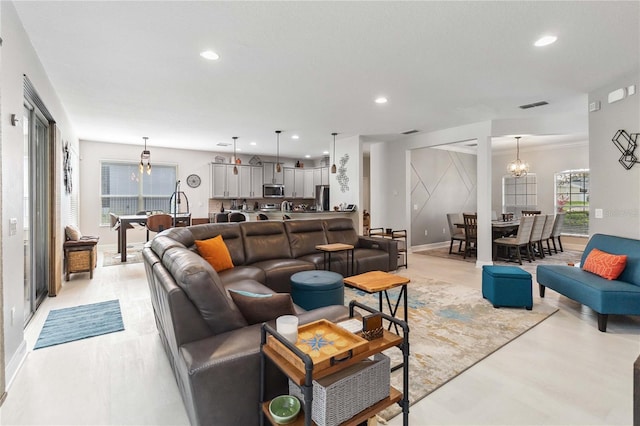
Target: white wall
{"type": "Point", "coordinates": [18, 59]}
{"type": "Point", "coordinates": [613, 188]}
{"type": "Point", "coordinates": [346, 188]}
{"type": "Point", "coordinates": [544, 161]}
{"type": "Point", "coordinates": [390, 163]}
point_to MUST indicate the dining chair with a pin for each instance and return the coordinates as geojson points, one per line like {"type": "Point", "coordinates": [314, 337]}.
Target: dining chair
{"type": "Point", "coordinates": [520, 241]}
{"type": "Point", "coordinates": [470, 233]}
{"type": "Point", "coordinates": [557, 229]}
{"type": "Point", "coordinates": [237, 217]}
{"type": "Point", "coordinates": [536, 235]}
{"type": "Point", "coordinates": [159, 222]}
{"type": "Point", "coordinates": [221, 217]}
{"type": "Point", "coordinates": [546, 234]}
{"type": "Point", "coordinates": [457, 234]}
{"type": "Point", "coordinates": [530, 212]}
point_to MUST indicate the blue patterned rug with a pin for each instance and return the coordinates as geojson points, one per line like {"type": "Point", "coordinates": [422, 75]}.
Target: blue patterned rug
{"type": "Point", "coordinates": [451, 329]}
{"type": "Point", "coordinates": [80, 322]}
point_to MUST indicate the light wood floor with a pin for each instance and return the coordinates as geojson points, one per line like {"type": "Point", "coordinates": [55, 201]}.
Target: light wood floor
{"type": "Point", "coordinates": [562, 372]}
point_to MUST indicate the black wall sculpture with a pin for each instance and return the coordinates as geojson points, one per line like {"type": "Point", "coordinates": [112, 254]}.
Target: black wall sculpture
{"type": "Point", "coordinates": [626, 144]}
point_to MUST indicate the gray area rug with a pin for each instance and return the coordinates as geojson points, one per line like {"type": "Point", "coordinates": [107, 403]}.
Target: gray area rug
{"type": "Point", "coordinates": [134, 255]}
{"type": "Point", "coordinates": [80, 322]}
{"type": "Point", "coordinates": [451, 328]}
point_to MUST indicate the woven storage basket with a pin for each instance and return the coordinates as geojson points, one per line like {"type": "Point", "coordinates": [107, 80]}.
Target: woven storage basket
{"type": "Point", "coordinates": [342, 395]}
{"type": "Point", "coordinates": [79, 260]}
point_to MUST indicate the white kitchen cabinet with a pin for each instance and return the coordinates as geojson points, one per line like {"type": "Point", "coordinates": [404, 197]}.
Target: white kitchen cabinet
{"type": "Point", "coordinates": [224, 184]}
{"type": "Point", "coordinates": [256, 181]}
{"type": "Point", "coordinates": [233, 182]}
{"type": "Point", "coordinates": [317, 176]}
{"type": "Point", "coordinates": [289, 182]}
{"type": "Point", "coordinates": [244, 173]}
{"type": "Point", "coordinates": [324, 171]}
{"type": "Point", "coordinates": [298, 190]}
{"type": "Point", "coordinates": [309, 183]}
{"type": "Point", "coordinates": [269, 174]}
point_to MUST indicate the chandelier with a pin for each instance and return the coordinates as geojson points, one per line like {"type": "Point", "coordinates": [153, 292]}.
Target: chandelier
{"type": "Point", "coordinates": [145, 156]}
{"type": "Point", "coordinates": [518, 168]}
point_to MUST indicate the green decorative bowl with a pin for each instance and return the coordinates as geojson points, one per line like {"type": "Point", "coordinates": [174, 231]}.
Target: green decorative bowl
{"type": "Point", "coordinates": [284, 409]}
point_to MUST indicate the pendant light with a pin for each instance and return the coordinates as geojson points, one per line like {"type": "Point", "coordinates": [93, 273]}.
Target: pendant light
{"type": "Point", "coordinates": [145, 156]}
{"type": "Point", "coordinates": [518, 168]}
{"type": "Point", "coordinates": [235, 159]}
{"type": "Point", "coordinates": [278, 167]}
{"type": "Point", "coordinates": [333, 167]}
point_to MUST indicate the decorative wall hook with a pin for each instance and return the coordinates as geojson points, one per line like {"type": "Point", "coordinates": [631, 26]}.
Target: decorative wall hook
{"type": "Point", "coordinates": [626, 144]}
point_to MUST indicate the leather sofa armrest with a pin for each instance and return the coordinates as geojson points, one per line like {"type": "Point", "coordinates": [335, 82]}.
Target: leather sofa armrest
{"type": "Point", "coordinates": [385, 244]}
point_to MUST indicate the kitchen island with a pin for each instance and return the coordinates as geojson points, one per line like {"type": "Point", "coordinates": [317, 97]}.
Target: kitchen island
{"type": "Point", "coordinates": [278, 214]}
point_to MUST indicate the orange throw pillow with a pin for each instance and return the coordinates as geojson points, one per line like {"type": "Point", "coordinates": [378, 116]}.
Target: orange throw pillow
{"type": "Point", "coordinates": [215, 251]}
{"type": "Point", "coordinates": [604, 264]}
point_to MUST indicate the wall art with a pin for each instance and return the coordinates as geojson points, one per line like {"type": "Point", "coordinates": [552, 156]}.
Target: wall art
{"type": "Point", "coordinates": [626, 144]}
{"type": "Point", "coordinates": [342, 177]}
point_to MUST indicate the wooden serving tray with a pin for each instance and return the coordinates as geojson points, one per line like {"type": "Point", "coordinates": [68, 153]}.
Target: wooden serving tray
{"type": "Point", "coordinates": [325, 342]}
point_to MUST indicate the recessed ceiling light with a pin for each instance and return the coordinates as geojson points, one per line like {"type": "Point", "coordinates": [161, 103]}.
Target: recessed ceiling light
{"type": "Point", "coordinates": [381, 100]}
{"type": "Point", "coordinates": [253, 144]}
{"type": "Point", "coordinates": [325, 152]}
{"type": "Point", "coordinates": [545, 41]}
{"type": "Point", "coordinates": [210, 55]}
{"type": "Point", "coordinates": [295, 137]}
{"type": "Point", "coordinates": [239, 149]}
{"type": "Point", "coordinates": [307, 156]}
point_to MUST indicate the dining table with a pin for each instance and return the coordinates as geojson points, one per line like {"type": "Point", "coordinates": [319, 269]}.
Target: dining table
{"type": "Point", "coordinates": [126, 220]}
{"type": "Point", "coordinates": [500, 228]}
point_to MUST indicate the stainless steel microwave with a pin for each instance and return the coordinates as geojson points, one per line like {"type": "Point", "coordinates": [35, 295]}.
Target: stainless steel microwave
{"type": "Point", "coordinates": [273, 191]}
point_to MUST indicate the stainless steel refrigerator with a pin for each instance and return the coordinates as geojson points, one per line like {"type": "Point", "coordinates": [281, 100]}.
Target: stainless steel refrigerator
{"type": "Point", "coordinates": [322, 198]}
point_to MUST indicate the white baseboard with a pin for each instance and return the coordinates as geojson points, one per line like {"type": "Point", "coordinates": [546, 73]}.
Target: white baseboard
{"type": "Point", "coordinates": [429, 246]}
{"type": "Point", "coordinates": [13, 366]}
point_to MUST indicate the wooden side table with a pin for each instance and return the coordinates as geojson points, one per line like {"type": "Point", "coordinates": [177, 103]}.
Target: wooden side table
{"type": "Point", "coordinates": [327, 249]}
{"type": "Point", "coordinates": [380, 282]}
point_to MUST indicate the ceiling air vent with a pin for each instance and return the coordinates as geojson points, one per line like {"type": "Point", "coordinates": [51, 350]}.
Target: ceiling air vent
{"type": "Point", "coordinates": [223, 144]}
{"type": "Point", "coordinates": [533, 105]}
{"type": "Point", "coordinates": [410, 132]}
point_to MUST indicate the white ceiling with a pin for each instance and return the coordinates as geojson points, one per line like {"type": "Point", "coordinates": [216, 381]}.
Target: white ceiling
{"type": "Point", "coordinates": [125, 70]}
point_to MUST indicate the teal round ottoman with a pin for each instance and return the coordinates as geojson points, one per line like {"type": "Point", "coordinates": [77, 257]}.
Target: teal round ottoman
{"type": "Point", "coordinates": [507, 286]}
{"type": "Point", "coordinates": [315, 289]}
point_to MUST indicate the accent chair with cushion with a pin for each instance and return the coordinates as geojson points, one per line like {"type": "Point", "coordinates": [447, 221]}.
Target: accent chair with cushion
{"type": "Point", "coordinates": [557, 229]}
{"type": "Point", "coordinates": [520, 241]}
{"type": "Point", "coordinates": [536, 235]}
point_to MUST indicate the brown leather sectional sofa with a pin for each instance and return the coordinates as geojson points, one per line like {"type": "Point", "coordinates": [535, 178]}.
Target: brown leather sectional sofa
{"type": "Point", "coordinates": [214, 353]}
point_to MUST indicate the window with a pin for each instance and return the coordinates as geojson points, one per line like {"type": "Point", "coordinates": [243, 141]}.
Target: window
{"type": "Point", "coordinates": [519, 194]}
{"type": "Point", "coordinates": [572, 197]}
{"type": "Point", "coordinates": [124, 190]}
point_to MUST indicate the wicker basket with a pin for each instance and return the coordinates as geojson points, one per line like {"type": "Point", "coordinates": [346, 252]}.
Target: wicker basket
{"type": "Point", "coordinates": [342, 395]}
{"type": "Point", "coordinates": [78, 261]}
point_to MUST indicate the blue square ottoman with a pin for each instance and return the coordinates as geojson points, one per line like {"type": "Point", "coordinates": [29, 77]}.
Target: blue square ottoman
{"type": "Point", "coordinates": [507, 286]}
{"type": "Point", "coordinates": [315, 289]}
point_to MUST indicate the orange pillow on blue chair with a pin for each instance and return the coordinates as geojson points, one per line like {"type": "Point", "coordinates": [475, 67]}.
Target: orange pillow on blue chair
{"type": "Point", "coordinates": [215, 251]}
{"type": "Point", "coordinates": [604, 264]}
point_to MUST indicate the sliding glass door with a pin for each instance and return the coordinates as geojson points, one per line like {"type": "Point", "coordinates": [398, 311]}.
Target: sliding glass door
{"type": "Point", "coordinates": [36, 201]}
